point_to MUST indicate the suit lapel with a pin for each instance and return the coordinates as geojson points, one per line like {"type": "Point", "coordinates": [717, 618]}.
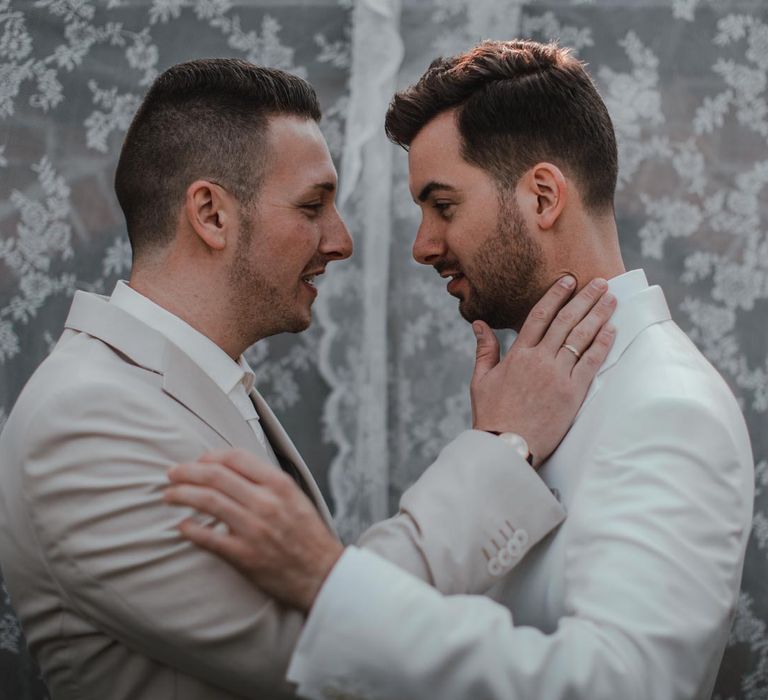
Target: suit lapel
{"type": "Point", "coordinates": [95, 316]}
{"type": "Point", "coordinates": [191, 387]}
{"type": "Point", "coordinates": [285, 449]}
{"type": "Point", "coordinates": [182, 378]}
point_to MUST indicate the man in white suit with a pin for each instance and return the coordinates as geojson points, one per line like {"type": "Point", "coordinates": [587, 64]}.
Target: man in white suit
{"type": "Point", "coordinates": [228, 191]}
{"type": "Point", "coordinates": [633, 595]}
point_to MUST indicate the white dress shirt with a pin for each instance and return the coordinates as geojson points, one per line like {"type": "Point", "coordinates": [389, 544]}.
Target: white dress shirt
{"type": "Point", "coordinates": [235, 379]}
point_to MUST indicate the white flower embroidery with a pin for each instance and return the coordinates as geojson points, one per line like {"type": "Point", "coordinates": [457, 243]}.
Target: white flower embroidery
{"type": "Point", "coordinates": [99, 124]}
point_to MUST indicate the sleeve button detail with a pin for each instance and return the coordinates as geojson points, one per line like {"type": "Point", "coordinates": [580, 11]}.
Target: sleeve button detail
{"type": "Point", "coordinates": [495, 568]}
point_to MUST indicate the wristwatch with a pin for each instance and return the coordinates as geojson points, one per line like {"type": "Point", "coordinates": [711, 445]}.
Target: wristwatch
{"type": "Point", "coordinates": [517, 442]}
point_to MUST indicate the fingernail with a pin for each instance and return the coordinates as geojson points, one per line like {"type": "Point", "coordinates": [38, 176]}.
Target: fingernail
{"type": "Point", "coordinates": [608, 299]}
{"type": "Point", "coordinates": [478, 329]}
{"type": "Point", "coordinates": [568, 281]}
{"type": "Point", "coordinates": [599, 284]}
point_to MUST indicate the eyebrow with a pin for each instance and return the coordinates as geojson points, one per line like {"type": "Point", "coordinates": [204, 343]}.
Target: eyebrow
{"type": "Point", "coordinates": [430, 187]}
{"type": "Point", "coordinates": [327, 186]}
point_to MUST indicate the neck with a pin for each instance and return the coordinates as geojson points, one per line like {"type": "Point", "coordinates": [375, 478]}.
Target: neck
{"type": "Point", "coordinates": [591, 250]}
{"type": "Point", "coordinates": [197, 304]}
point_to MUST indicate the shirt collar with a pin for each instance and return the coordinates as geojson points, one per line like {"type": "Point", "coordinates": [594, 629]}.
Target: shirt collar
{"type": "Point", "coordinates": [225, 372]}
{"type": "Point", "coordinates": [627, 284]}
{"type": "Point", "coordinates": [624, 287]}
{"type": "Point", "coordinates": [248, 377]}
{"type": "Point", "coordinates": [638, 306]}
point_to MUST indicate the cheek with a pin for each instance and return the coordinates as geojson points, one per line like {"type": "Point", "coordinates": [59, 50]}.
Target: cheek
{"type": "Point", "coordinates": [292, 246]}
{"type": "Point", "coordinates": [465, 234]}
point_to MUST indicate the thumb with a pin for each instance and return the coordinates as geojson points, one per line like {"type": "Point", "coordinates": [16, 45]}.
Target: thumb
{"type": "Point", "coordinates": [487, 353]}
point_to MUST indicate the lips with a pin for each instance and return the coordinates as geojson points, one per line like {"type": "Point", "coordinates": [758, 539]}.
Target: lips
{"type": "Point", "coordinates": [457, 279]}
{"type": "Point", "coordinates": [309, 277]}
{"type": "Point", "coordinates": [308, 280]}
{"type": "Point", "coordinates": [447, 269]}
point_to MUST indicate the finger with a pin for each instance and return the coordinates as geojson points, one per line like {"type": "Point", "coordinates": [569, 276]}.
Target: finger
{"type": "Point", "coordinates": [586, 368]}
{"type": "Point", "coordinates": [487, 352]}
{"type": "Point", "coordinates": [218, 455]}
{"type": "Point", "coordinates": [218, 477]}
{"type": "Point", "coordinates": [222, 544]}
{"type": "Point", "coordinates": [572, 313]}
{"type": "Point", "coordinates": [544, 311]}
{"type": "Point", "coordinates": [247, 464]}
{"type": "Point", "coordinates": [568, 356]}
{"type": "Point", "coordinates": [210, 502]}
{"type": "Point", "coordinates": [187, 472]}
{"type": "Point", "coordinates": [581, 337]}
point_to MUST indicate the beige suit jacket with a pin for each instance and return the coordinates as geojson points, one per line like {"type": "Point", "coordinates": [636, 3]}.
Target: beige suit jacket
{"type": "Point", "coordinates": [114, 603]}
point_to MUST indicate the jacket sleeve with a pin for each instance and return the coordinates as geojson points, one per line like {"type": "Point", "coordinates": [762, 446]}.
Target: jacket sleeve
{"type": "Point", "coordinates": [470, 518]}
{"type": "Point", "coordinates": [651, 580]}
{"type": "Point", "coordinates": [93, 485]}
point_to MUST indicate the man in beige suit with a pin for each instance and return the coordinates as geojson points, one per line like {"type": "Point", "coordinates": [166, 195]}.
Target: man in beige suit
{"type": "Point", "coordinates": [228, 191]}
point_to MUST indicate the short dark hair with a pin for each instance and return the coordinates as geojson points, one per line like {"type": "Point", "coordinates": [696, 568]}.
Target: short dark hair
{"type": "Point", "coordinates": [201, 119]}
{"type": "Point", "coordinates": [517, 103]}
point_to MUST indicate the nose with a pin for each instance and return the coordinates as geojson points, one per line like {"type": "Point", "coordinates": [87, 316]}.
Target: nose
{"type": "Point", "coordinates": [336, 243]}
{"type": "Point", "coordinates": [429, 246]}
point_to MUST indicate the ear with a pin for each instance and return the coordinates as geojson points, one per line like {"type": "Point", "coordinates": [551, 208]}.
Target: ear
{"type": "Point", "coordinates": [545, 189]}
{"type": "Point", "coordinates": [211, 212]}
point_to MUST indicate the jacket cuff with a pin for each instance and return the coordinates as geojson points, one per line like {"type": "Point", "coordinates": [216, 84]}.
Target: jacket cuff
{"type": "Point", "coordinates": [479, 509]}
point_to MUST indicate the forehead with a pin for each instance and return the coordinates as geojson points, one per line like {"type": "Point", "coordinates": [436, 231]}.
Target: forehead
{"type": "Point", "coordinates": [298, 153]}
{"type": "Point", "coordinates": [435, 156]}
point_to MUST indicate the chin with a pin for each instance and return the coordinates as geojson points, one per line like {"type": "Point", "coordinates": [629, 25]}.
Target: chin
{"type": "Point", "coordinates": [471, 313]}
{"type": "Point", "coordinates": [496, 318]}
{"type": "Point", "coordinates": [300, 323]}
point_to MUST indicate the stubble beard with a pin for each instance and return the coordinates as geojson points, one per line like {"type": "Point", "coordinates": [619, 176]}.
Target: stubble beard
{"type": "Point", "coordinates": [261, 307]}
{"type": "Point", "coordinates": [506, 274]}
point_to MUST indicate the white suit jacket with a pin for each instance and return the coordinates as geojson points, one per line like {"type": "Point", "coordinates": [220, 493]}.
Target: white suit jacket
{"type": "Point", "coordinates": [114, 603]}
{"type": "Point", "coordinates": [632, 597]}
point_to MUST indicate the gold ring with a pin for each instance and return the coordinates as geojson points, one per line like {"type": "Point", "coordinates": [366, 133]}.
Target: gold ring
{"type": "Point", "coordinates": [572, 349]}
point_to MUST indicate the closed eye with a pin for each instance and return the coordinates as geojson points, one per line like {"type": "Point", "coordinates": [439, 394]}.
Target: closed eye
{"type": "Point", "coordinates": [443, 208]}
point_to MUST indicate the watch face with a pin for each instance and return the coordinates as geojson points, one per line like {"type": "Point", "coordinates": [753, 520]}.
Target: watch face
{"type": "Point", "coordinates": [517, 442]}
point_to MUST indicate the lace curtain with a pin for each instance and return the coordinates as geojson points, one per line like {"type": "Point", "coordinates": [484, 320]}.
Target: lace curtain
{"type": "Point", "coordinates": [379, 383]}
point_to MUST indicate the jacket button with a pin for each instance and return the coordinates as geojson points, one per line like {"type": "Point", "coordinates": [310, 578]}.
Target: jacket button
{"type": "Point", "coordinates": [521, 536]}
{"type": "Point", "coordinates": [514, 548]}
{"type": "Point", "coordinates": [495, 568]}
